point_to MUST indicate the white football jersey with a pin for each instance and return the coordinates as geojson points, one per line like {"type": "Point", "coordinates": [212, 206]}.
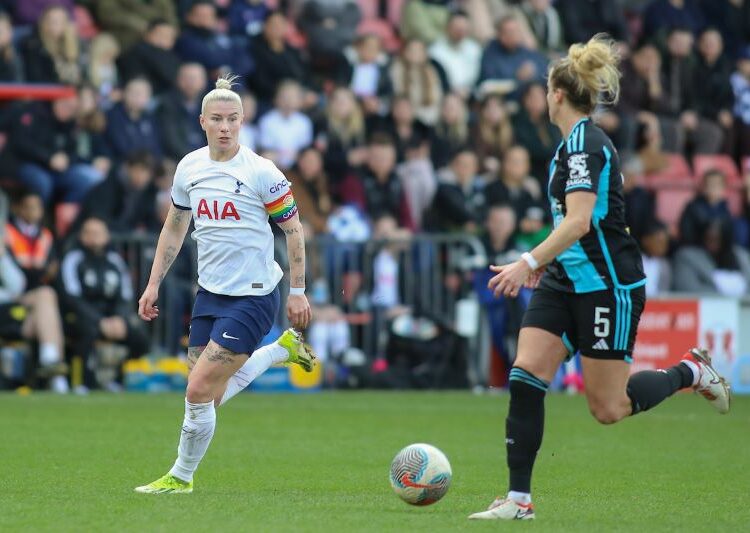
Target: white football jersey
{"type": "Point", "coordinates": [231, 202]}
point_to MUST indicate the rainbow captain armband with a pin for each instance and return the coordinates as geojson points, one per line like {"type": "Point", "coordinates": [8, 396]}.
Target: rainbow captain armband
{"type": "Point", "coordinates": [282, 209]}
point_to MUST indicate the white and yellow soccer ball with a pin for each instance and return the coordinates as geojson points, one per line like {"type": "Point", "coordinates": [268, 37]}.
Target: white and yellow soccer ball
{"type": "Point", "coordinates": [420, 474]}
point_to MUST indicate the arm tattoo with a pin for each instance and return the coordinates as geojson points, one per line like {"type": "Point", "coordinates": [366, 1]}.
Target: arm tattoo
{"type": "Point", "coordinates": [169, 256]}
{"type": "Point", "coordinates": [178, 216]}
{"type": "Point", "coordinates": [291, 231]}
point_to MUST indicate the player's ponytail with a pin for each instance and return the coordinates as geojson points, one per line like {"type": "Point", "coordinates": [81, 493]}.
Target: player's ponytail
{"type": "Point", "coordinates": [222, 92]}
{"type": "Point", "coordinates": [589, 74]}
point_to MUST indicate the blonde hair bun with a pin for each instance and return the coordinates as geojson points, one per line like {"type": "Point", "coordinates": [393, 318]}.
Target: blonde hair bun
{"type": "Point", "coordinates": [223, 92]}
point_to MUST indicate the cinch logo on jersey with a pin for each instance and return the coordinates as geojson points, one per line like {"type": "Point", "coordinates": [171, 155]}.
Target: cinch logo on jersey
{"type": "Point", "coordinates": [283, 208]}
{"type": "Point", "coordinates": [278, 187]}
{"type": "Point", "coordinates": [579, 175]}
{"type": "Point", "coordinates": [213, 212]}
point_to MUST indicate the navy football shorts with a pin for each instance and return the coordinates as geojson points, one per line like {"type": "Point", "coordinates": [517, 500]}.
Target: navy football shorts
{"type": "Point", "coordinates": [237, 323]}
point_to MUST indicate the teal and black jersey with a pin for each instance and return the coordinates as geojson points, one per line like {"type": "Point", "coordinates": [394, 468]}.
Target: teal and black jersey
{"type": "Point", "coordinates": [607, 257]}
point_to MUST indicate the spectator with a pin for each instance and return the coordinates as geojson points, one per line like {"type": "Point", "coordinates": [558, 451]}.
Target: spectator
{"type": "Point", "coordinates": [179, 110]}
{"type": "Point", "coordinates": [417, 175]}
{"type": "Point", "coordinates": [401, 125]}
{"type": "Point", "coordinates": [459, 202]}
{"type": "Point", "coordinates": [643, 91]}
{"type": "Point", "coordinates": [285, 130]}
{"type": "Point", "coordinates": [506, 58]}
{"type": "Point", "coordinates": [249, 131]}
{"type": "Point", "coordinates": [376, 188]}
{"type": "Point", "coordinates": [153, 57]}
{"type": "Point", "coordinates": [329, 26]}
{"type": "Point", "coordinates": [201, 42]}
{"type": "Point", "coordinates": [97, 297]}
{"type": "Point", "coordinates": [386, 287]}
{"type": "Point", "coordinates": [582, 19]}
{"type": "Point", "coordinates": [128, 20]}
{"type": "Point", "coordinates": [364, 69]}
{"type": "Point", "coordinates": [44, 141]}
{"type": "Point", "coordinates": [451, 133]}
{"type": "Point", "coordinates": [50, 53]}
{"type": "Point", "coordinates": [126, 200]}
{"type": "Point", "coordinates": [713, 90]}
{"type": "Point", "coordinates": [11, 67]}
{"type": "Point", "coordinates": [534, 131]}
{"type": "Point", "coordinates": [90, 134]}
{"type": "Point", "coordinates": [102, 69]}
{"type": "Point", "coordinates": [708, 206]}
{"type": "Point", "coordinates": [424, 20]}
{"type": "Point", "coordinates": [277, 61]}
{"type": "Point", "coordinates": [503, 314]}
{"type": "Point", "coordinates": [341, 136]}
{"type": "Point", "coordinates": [516, 188]}
{"type": "Point", "coordinates": [32, 315]}
{"type": "Point", "coordinates": [662, 15]}
{"type": "Point", "coordinates": [130, 124]}
{"type": "Point", "coordinates": [654, 244]}
{"type": "Point", "coordinates": [703, 135]}
{"type": "Point", "coordinates": [29, 243]}
{"type": "Point", "coordinates": [311, 191]}
{"type": "Point", "coordinates": [458, 54]}
{"type": "Point", "coordinates": [492, 134]}
{"type": "Point", "coordinates": [715, 265]}
{"type": "Point", "coordinates": [732, 19]}
{"type": "Point", "coordinates": [246, 17]}
{"type": "Point", "coordinates": [640, 203]}
{"type": "Point", "coordinates": [544, 24]}
{"type": "Point", "coordinates": [414, 76]}
{"type": "Point", "coordinates": [740, 81]}
{"type": "Point", "coordinates": [28, 12]}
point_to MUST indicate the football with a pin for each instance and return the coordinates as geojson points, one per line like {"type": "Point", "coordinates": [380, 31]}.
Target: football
{"type": "Point", "coordinates": [420, 474]}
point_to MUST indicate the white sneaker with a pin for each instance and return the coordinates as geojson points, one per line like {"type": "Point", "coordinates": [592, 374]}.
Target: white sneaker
{"type": "Point", "coordinates": [711, 385]}
{"type": "Point", "coordinates": [59, 385]}
{"type": "Point", "coordinates": [81, 390]}
{"type": "Point", "coordinates": [505, 509]}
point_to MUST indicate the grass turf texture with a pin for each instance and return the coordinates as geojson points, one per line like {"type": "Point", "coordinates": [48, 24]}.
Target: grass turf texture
{"type": "Point", "coordinates": [320, 463]}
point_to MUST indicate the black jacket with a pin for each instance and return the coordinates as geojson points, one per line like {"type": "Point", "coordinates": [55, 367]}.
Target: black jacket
{"type": "Point", "coordinates": [271, 68]}
{"type": "Point", "coordinates": [157, 65]}
{"type": "Point", "coordinates": [122, 208]}
{"type": "Point", "coordinates": [36, 135]}
{"type": "Point", "coordinates": [40, 67]}
{"type": "Point", "coordinates": [95, 286]}
{"type": "Point", "coordinates": [179, 129]}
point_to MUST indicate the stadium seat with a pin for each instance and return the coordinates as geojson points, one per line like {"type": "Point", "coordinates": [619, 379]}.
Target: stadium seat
{"type": "Point", "coordinates": [735, 201]}
{"type": "Point", "coordinates": [677, 175]}
{"type": "Point", "coordinates": [670, 203]}
{"type": "Point", "coordinates": [705, 162]}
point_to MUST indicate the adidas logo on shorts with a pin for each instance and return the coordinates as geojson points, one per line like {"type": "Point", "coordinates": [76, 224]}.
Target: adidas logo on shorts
{"type": "Point", "coordinates": [601, 344]}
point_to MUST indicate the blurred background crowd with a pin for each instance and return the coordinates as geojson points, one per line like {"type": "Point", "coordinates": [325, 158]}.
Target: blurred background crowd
{"type": "Point", "coordinates": [408, 123]}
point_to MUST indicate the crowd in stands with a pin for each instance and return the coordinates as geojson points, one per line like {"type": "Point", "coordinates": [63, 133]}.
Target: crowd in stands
{"type": "Point", "coordinates": [390, 117]}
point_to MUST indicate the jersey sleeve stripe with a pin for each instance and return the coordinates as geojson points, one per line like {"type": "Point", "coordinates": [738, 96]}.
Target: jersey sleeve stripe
{"type": "Point", "coordinates": [179, 206]}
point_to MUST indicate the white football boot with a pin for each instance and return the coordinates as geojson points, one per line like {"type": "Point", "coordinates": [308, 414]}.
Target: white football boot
{"type": "Point", "coordinates": [710, 385]}
{"type": "Point", "coordinates": [505, 509]}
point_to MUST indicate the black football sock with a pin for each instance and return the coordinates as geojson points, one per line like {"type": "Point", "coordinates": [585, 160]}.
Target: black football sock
{"type": "Point", "coordinates": [649, 388]}
{"type": "Point", "coordinates": [524, 426]}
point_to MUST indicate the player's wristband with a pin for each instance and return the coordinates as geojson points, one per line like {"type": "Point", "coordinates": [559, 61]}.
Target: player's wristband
{"type": "Point", "coordinates": [296, 291]}
{"type": "Point", "coordinates": [533, 263]}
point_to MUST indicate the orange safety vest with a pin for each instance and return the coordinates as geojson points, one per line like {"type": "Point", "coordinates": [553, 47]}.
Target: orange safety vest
{"type": "Point", "coordinates": [29, 252]}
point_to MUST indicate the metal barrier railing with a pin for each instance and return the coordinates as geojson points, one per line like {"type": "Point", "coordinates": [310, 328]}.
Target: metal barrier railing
{"type": "Point", "coordinates": [433, 274]}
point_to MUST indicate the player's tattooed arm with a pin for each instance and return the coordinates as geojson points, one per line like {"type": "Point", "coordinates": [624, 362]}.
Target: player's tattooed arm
{"type": "Point", "coordinates": [295, 245]}
{"type": "Point", "coordinates": [170, 242]}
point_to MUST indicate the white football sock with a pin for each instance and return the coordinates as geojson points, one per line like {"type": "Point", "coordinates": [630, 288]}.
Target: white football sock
{"type": "Point", "coordinates": [260, 361]}
{"type": "Point", "coordinates": [197, 430]}
{"type": "Point", "coordinates": [694, 369]}
{"type": "Point", "coordinates": [48, 354]}
{"type": "Point", "coordinates": [523, 498]}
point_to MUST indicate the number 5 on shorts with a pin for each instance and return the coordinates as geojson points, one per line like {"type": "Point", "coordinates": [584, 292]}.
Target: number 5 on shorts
{"type": "Point", "coordinates": [601, 322]}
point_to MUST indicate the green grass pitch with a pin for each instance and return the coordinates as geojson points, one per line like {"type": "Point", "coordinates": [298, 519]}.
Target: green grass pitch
{"type": "Point", "coordinates": [320, 463]}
